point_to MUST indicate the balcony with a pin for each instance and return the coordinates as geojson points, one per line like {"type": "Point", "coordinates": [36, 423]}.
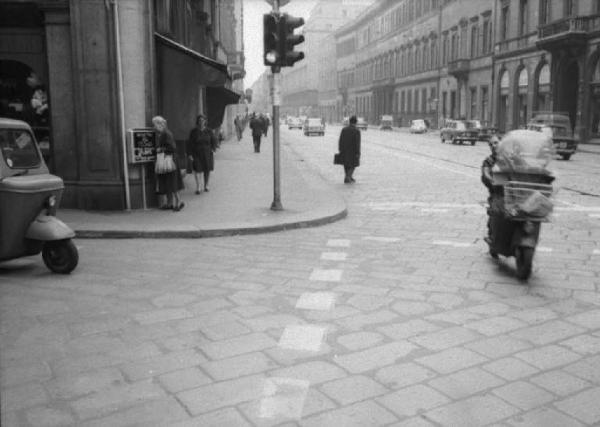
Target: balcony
{"type": "Point", "coordinates": [459, 68]}
{"type": "Point", "coordinates": [568, 32]}
{"type": "Point", "coordinates": [509, 46]}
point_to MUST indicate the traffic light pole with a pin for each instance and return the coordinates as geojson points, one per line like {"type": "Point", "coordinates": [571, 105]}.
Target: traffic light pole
{"type": "Point", "coordinates": [276, 99]}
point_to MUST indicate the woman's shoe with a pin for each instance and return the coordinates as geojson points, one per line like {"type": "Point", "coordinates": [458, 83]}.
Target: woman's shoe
{"type": "Point", "coordinates": [180, 207]}
{"type": "Point", "coordinates": [197, 191]}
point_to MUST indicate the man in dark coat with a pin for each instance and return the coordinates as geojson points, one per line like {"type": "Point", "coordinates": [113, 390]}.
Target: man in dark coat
{"type": "Point", "coordinates": [495, 197]}
{"type": "Point", "coordinates": [349, 149]}
{"type": "Point", "coordinates": [257, 130]}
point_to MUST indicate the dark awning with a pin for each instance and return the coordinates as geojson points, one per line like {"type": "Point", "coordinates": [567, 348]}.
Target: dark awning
{"type": "Point", "coordinates": [207, 71]}
{"type": "Point", "coordinates": [217, 98]}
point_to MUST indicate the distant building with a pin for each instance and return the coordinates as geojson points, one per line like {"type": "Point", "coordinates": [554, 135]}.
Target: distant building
{"type": "Point", "coordinates": [301, 94]}
{"type": "Point", "coordinates": [108, 66]}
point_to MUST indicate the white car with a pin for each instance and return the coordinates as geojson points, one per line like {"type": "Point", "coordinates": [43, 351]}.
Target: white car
{"type": "Point", "coordinates": [294, 123]}
{"type": "Point", "coordinates": [418, 126]}
{"type": "Point", "coordinates": [314, 125]}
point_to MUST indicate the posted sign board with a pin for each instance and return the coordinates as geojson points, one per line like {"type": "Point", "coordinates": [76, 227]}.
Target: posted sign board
{"type": "Point", "coordinates": [141, 145]}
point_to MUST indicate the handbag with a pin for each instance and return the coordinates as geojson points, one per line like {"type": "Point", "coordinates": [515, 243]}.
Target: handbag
{"type": "Point", "coordinates": [337, 159]}
{"type": "Point", "coordinates": [164, 163]}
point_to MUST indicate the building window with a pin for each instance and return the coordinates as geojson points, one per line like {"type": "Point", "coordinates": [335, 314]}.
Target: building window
{"type": "Point", "coordinates": [474, 39]}
{"type": "Point", "coordinates": [445, 50]}
{"type": "Point", "coordinates": [484, 103]}
{"type": "Point", "coordinates": [597, 6]}
{"type": "Point", "coordinates": [523, 17]}
{"type": "Point", "coordinates": [402, 100]}
{"type": "Point", "coordinates": [595, 102]}
{"type": "Point", "coordinates": [434, 53]}
{"type": "Point", "coordinates": [416, 107]}
{"type": "Point", "coordinates": [569, 8]}
{"type": "Point", "coordinates": [444, 103]}
{"type": "Point", "coordinates": [409, 101]}
{"type": "Point", "coordinates": [544, 11]}
{"type": "Point", "coordinates": [504, 22]}
{"type": "Point", "coordinates": [473, 96]}
{"type": "Point", "coordinates": [523, 84]}
{"type": "Point", "coordinates": [454, 47]}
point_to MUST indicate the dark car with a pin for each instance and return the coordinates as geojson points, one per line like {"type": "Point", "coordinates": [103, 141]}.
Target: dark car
{"type": "Point", "coordinates": [459, 131]}
{"type": "Point", "coordinates": [558, 127]}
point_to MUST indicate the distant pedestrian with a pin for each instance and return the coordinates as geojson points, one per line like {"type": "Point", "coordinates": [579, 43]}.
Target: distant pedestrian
{"type": "Point", "coordinates": [266, 123]}
{"type": "Point", "coordinates": [200, 147]}
{"type": "Point", "coordinates": [169, 183]}
{"type": "Point", "coordinates": [257, 130]}
{"type": "Point", "coordinates": [239, 127]}
{"type": "Point", "coordinates": [349, 149]}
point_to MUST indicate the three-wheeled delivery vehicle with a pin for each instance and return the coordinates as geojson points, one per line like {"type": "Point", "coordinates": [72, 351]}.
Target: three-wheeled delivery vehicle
{"type": "Point", "coordinates": [29, 197]}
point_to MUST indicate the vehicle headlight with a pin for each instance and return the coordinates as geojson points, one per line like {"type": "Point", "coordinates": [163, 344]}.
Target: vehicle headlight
{"type": "Point", "coordinates": [51, 202]}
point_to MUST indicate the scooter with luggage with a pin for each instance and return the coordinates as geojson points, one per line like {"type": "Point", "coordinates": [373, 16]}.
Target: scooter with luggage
{"type": "Point", "coordinates": [524, 197]}
{"type": "Point", "coordinates": [29, 198]}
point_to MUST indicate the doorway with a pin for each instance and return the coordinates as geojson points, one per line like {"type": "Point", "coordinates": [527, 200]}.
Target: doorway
{"type": "Point", "coordinates": [568, 87]}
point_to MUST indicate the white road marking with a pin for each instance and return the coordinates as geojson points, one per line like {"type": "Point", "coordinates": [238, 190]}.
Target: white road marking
{"type": "Point", "coordinates": [325, 275]}
{"type": "Point", "coordinates": [338, 243]}
{"type": "Point", "coordinates": [334, 256]}
{"type": "Point", "coordinates": [383, 239]}
{"type": "Point", "coordinates": [453, 244]}
{"type": "Point", "coordinates": [434, 210]}
{"type": "Point", "coordinates": [543, 249]}
{"type": "Point", "coordinates": [594, 215]}
{"type": "Point", "coordinates": [316, 301]}
{"type": "Point", "coordinates": [302, 337]}
{"type": "Point", "coordinates": [283, 398]}
{"type": "Point", "coordinates": [596, 252]}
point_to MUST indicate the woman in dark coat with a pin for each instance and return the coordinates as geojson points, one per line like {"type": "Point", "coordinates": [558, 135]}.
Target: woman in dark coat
{"type": "Point", "coordinates": [349, 149]}
{"type": "Point", "coordinates": [200, 148]}
{"type": "Point", "coordinates": [169, 183]}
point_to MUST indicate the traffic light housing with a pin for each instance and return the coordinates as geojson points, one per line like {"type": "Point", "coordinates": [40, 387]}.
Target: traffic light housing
{"type": "Point", "coordinates": [287, 25]}
{"type": "Point", "coordinates": [271, 39]}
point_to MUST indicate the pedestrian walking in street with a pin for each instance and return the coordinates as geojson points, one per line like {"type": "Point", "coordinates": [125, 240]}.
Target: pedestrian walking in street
{"type": "Point", "coordinates": [266, 123]}
{"type": "Point", "coordinates": [349, 149]}
{"type": "Point", "coordinates": [257, 130]}
{"type": "Point", "coordinates": [239, 127]}
{"type": "Point", "coordinates": [200, 147]}
{"type": "Point", "coordinates": [169, 183]}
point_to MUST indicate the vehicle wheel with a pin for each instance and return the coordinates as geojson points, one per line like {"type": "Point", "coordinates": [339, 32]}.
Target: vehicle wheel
{"type": "Point", "coordinates": [60, 256]}
{"type": "Point", "coordinates": [472, 142]}
{"type": "Point", "coordinates": [566, 156]}
{"type": "Point", "coordinates": [524, 258]}
{"type": "Point", "coordinates": [442, 140]}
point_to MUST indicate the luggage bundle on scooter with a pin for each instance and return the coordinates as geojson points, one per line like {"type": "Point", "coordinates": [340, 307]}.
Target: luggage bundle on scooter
{"type": "Point", "coordinates": [522, 172]}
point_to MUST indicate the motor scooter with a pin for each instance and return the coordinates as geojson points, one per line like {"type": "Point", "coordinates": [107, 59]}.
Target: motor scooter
{"type": "Point", "coordinates": [525, 201]}
{"type": "Point", "coordinates": [29, 198]}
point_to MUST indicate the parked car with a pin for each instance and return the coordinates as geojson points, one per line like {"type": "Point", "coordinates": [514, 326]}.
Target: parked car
{"type": "Point", "coordinates": [385, 123]}
{"type": "Point", "coordinates": [314, 125]}
{"type": "Point", "coordinates": [346, 121]}
{"type": "Point", "coordinates": [558, 127]}
{"type": "Point", "coordinates": [459, 131]}
{"type": "Point", "coordinates": [361, 123]}
{"type": "Point", "coordinates": [294, 123]}
{"type": "Point", "coordinates": [418, 126]}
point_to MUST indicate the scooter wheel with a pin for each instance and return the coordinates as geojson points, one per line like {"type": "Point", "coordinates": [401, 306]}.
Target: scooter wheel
{"type": "Point", "coordinates": [524, 258]}
{"type": "Point", "coordinates": [60, 256]}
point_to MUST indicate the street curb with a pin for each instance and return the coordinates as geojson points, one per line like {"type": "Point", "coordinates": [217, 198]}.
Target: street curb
{"type": "Point", "coordinates": [198, 234]}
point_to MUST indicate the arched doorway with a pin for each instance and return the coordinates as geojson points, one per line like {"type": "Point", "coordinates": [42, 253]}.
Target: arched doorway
{"type": "Point", "coordinates": [542, 100]}
{"type": "Point", "coordinates": [568, 90]}
{"type": "Point", "coordinates": [595, 101]}
{"type": "Point", "coordinates": [521, 97]}
{"type": "Point", "coordinates": [503, 101]}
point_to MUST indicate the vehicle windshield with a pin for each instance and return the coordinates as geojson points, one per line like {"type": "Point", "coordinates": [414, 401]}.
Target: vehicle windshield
{"type": "Point", "coordinates": [460, 126]}
{"type": "Point", "coordinates": [472, 124]}
{"type": "Point", "coordinates": [418, 123]}
{"type": "Point", "coordinates": [525, 151]}
{"type": "Point", "coordinates": [18, 149]}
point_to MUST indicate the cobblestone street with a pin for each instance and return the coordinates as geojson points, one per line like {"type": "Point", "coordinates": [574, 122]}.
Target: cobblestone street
{"type": "Point", "coordinates": [394, 316]}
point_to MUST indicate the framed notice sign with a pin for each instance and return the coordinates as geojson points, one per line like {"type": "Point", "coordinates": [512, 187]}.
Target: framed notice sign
{"type": "Point", "coordinates": [141, 145]}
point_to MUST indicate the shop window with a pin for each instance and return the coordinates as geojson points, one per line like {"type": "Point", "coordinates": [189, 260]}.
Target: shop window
{"type": "Point", "coordinates": [595, 102]}
{"type": "Point", "coordinates": [484, 103]}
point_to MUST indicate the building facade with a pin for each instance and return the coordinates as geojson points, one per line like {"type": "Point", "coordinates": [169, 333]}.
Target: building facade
{"type": "Point", "coordinates": [547, 57]}
{"type": "Point", "coordinates": [109, 66]}
{"type": "Point", "coordinates": [417, 59]}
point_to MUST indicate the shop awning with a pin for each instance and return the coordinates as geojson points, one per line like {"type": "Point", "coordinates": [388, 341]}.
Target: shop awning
{"type": "Point", "coordinates": [206, 71]}
{"type": "Point", "coordinates": [217, 98]}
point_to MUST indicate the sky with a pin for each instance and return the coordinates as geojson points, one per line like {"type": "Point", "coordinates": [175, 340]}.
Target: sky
{"type": "Point", "coordinates": [253, 32]}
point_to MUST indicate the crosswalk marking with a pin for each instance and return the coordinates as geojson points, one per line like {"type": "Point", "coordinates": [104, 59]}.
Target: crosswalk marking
{"type": "Point", "coordinates": [334, 256]}
{"type": "Point", "coordinates": [383, 239]}
{"type": "Point", "coordinates": [339, 243]}
{"type": "Point", "coordinates": [302, 337]}
{"type": "Point", "coordinates": [325, 275]}
{"type": "Point", "coordinates": [453, 244]}
{"type": "Point", "coordinates": [543, 249]}
{"type": "Point", "coordinates": [283, 398]}
{"type": "Point", "coordinates": [316, 301]}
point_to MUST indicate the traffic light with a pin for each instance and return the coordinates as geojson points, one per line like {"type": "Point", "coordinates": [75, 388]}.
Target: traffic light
{"type": "Point", "coordinates": [271, 39]}
{"type": "Point", "coordinates": [287, 24]}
